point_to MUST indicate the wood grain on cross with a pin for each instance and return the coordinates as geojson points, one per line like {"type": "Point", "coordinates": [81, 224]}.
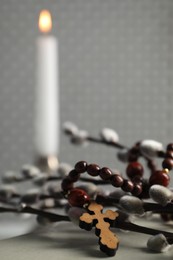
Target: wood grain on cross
{"type": "Point", "coordinates": [107, 240]}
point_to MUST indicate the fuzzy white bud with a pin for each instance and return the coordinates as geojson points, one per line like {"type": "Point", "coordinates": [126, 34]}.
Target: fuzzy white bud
{"type": "Point", "coordinates": [132, 205]}
{"type": "Point", "coordinates": [109, 135]}
{"type": "Point", "coordinates": [30, 171]}
{"type": "Point", "coordinates": [117, 194]}
{"type": "Point", "coordinates": [30, 197]}
{"type": "Point", "coordinates": [161, 194]}
{"type": "Point", "coordinates": [70, 128]}
{"type": "Point", "coordinates": [90, 188]}
{"type": "Point", "coordinates": [158, 243]}
{"type": "Point", "coordinates": [48, 203]}
{"type": "Point", "coordinates": [74, 214]}
{"type": "Point", "coordinates": [80, 138]}
{"type": "Point", "coordinates": [150, 148]}
{"type": "Point", "coordinates": [7, 191]}
{"type": "Point", "coordinates": [40, 179]}
{"type": "Point", "coordinates": [10, 177]}
{"type": "Point", "coordinates": [64, 169]}
{"type": "Point", "coordinates": [123, 155]}
{"type": "Point", "coordinates": [53, 188]}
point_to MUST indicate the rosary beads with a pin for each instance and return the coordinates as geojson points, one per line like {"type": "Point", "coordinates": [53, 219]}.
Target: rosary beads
{"type": "Point", "coordinates": [86, 207]}
{"type": "Point", "coordinates": [79, 191]}
{"type": "Point", "coordinates": [148, 149]}
{"type": "Point", "coordinates": [79, 198]}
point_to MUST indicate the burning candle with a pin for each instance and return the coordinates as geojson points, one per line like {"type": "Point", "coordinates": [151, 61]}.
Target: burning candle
{"type": "Point", "coordinates": [47, 88]}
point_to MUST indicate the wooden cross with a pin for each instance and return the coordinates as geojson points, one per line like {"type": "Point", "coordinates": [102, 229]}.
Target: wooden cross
{"type": "Point", "coordinates": [107, 240]}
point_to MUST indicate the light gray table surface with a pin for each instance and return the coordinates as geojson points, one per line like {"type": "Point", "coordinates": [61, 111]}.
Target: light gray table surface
{"type": "Point", "coordinates": [67, 241]}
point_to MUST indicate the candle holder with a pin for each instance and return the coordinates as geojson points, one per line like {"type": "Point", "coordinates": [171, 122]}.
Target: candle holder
{"type": "Point", "coordinates": [47, 164]}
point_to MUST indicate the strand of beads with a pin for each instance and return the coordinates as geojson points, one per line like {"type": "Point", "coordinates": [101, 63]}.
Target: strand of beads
{"type": "Point", "coordinates": [162, 176]}
{"type": "Point", "coordinates": [78, 197]}
{"type": "Point", "coordinates": [134, 169]}
{"type": "Point", "coordinates": [136, 185]}
{"type": "Point", "coordinates": [148, 149]}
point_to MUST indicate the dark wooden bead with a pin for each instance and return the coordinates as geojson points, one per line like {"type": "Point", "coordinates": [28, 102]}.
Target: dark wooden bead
{"type": "Point", "coordinates": [135, 150]}
{"type": "Point", "coordinates": [137, 180]}
{"type": "Point", "coordinates": [137, 190]}
{"type": "Point", "coordinates": [132, 158]}
{"type": "Point", "coordinates": [117, 180]}
{"type": "Point", "coordinates": [134, 153]}
{"type": "Point", "coordinates": [78, 197]}
{"type": "Point", "coordinates": [169, 154]}
{"type": "Point", "coordinates": [66, 184]}
{"type": "Point", "coordinates": [167, 164]}
{"type": "Point", "coordinates": [93, 169]}
{"type": "Point", "coordinates": [159, 177]}
{"type": "Point", "coordinates": [73, 175]}
{"type": "Point", "coordinates": [105, 173]}
{"type": "Point", "coordinates": [145, 189]}
{"type": "Point", "coordinates": [137, 145]}
{"type": "Point", "coordinates": [127, 186]}
{"type": "Point", "coordinates": [169, 147]}
{"type": "Point", "coordinates": [134, 169]}
{"type": "Point", "coordinates": [81, 166]}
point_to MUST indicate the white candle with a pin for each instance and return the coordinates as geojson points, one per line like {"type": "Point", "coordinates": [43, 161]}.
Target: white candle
{"type": "Point", "coordinates": [47, 88]}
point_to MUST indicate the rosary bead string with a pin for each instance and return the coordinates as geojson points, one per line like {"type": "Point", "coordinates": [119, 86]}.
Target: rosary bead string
{"type": "Point", "coordinates": [148, 149]}
{"type": "Point", "coordinates": [106, 175]}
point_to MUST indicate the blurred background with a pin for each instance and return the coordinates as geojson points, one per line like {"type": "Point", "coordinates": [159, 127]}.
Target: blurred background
{"type": "Point", "coordinates": [116, 69]}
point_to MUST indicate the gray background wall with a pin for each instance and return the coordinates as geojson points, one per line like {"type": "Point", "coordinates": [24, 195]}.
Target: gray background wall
{"type": "Point", "coordinates": [115, 71]}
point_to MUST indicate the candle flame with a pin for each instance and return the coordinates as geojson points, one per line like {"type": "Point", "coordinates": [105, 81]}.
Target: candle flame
{"type": "Point", "coordinates": [45, 21]}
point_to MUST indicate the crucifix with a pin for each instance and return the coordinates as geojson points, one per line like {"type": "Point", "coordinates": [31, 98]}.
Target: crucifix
{"type": "Point", "coordinates": [107, 240]}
